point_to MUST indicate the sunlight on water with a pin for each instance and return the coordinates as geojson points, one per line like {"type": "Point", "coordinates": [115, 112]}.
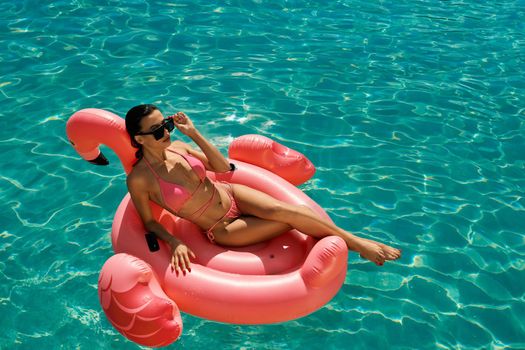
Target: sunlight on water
{"type": "Point", "coordinates": [412, 112]}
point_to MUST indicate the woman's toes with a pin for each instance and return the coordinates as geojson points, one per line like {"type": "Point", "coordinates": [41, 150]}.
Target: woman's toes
{"type": "Point", "coordinates": [392, 254]}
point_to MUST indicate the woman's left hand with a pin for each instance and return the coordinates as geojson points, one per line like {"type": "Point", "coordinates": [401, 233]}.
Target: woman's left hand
{"type": "Point", "coordinates": [184, 123]}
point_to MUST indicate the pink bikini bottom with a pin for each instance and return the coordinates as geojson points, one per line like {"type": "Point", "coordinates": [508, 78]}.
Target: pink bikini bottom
{"type": "Point", "coordinates": [233, 212]}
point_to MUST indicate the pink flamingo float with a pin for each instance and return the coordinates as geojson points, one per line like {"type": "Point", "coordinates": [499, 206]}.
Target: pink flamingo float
{"type": "Point", "coordinates": [285, 278]}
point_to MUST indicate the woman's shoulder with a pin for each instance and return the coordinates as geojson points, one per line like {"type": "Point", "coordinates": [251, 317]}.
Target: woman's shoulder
{"type": "Point", "coordinates": [179, 146]}
{"type": "Point", "coordinates": [139, 176]}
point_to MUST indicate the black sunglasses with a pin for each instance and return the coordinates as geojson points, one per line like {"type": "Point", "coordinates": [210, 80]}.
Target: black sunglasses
{"type": "Point", "coordinates": [158, 133]}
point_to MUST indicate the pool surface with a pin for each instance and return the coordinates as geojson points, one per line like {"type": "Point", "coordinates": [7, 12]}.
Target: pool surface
{"type": "Point", "coordinates": [413, 113]}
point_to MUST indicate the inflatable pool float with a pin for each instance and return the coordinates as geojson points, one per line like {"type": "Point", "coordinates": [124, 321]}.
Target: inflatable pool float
{"type": "Point", "coordinates": [282, 279]}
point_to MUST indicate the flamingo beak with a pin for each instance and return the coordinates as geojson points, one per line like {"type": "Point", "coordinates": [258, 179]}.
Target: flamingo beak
{"type": "Point", "coordinates": [100, 160]}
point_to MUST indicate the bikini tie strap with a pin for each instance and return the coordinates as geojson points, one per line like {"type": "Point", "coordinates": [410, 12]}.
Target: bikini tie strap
{"type": "Point", "coordinates": [151, 168]}
{"type": "Point", "coordinates": [205, 206]}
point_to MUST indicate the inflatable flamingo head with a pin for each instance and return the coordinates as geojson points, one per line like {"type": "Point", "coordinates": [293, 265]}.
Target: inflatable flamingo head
{"type": "Point", "coordinates": [88, 128]}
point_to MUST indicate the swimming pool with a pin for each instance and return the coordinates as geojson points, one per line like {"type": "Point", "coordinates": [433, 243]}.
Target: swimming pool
{"type": "Point", "coordinates": [412, 113]}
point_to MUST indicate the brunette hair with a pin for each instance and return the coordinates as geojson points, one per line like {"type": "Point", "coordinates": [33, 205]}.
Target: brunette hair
{"type": "Point", "coordinates": [133, 118]}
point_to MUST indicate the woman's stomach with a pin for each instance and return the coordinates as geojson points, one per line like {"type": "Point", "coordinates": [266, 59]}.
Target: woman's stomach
{"type": "Point", "coordinates": [213, 201]}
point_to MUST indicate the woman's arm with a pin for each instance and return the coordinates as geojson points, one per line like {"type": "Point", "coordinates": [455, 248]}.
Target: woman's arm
{"type": "Point", "coordinates": [212, 158]}
{"type": "Point", "coordinates": [139, 195]}
{"type": "Point", "coordinates": [140, 198]}
{"type": "Point", "coordinates": [211, 155]}
{"type": "Point", "coordinates": [159, 231]}
{"type": "Point", "coordinates": [180, 253]}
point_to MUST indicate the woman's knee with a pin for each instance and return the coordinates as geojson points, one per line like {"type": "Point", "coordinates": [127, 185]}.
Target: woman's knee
{"type": "Point", "coordinates": [284, 212]}
{"type": "Point", "coordinates": [289, 213]}
{"type": "Point", "coordinates": [261, 205]}
{"type": "Point", "coordinates": [306, 209]}
{"type": "Point", "coordinates": [272, 211]}
{"type": "Point", "coordinates": [257, 203]}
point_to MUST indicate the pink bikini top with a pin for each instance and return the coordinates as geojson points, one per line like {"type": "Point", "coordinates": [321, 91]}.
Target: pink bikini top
{"type": "Point", "coordinates": [174, 196]}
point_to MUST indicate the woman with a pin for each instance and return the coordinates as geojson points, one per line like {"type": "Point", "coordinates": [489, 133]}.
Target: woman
{"type": "Point", "coordinates": [172, 174]}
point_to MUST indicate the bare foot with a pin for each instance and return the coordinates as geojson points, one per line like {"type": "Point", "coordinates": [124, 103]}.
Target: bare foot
{"type": "Point", "coordinates": [377, 252]}
{"type": "Point", "coordinates": [391, 253]}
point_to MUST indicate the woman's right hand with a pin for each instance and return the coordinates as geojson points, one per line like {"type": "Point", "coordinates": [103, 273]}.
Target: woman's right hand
{"type": "Point", "coordinates": [180, 256]}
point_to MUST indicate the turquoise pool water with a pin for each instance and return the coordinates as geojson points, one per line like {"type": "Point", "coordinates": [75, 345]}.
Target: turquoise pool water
{"type": "Point", "coordinates": [412, 111]}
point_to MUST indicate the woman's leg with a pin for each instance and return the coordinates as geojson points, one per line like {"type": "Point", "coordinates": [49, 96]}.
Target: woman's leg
{"type": "Point", "coordinates": [261, 205]}
{"type": "Point", "coordinates": [390, 252]}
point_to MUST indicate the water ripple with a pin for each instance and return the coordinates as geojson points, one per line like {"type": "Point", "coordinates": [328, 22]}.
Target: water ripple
{"type": "Point", "coordinates": [412, 114]}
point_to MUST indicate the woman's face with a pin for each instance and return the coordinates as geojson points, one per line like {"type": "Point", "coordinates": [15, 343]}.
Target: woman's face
{"type": "Point", "coordinates": [149, 124]}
